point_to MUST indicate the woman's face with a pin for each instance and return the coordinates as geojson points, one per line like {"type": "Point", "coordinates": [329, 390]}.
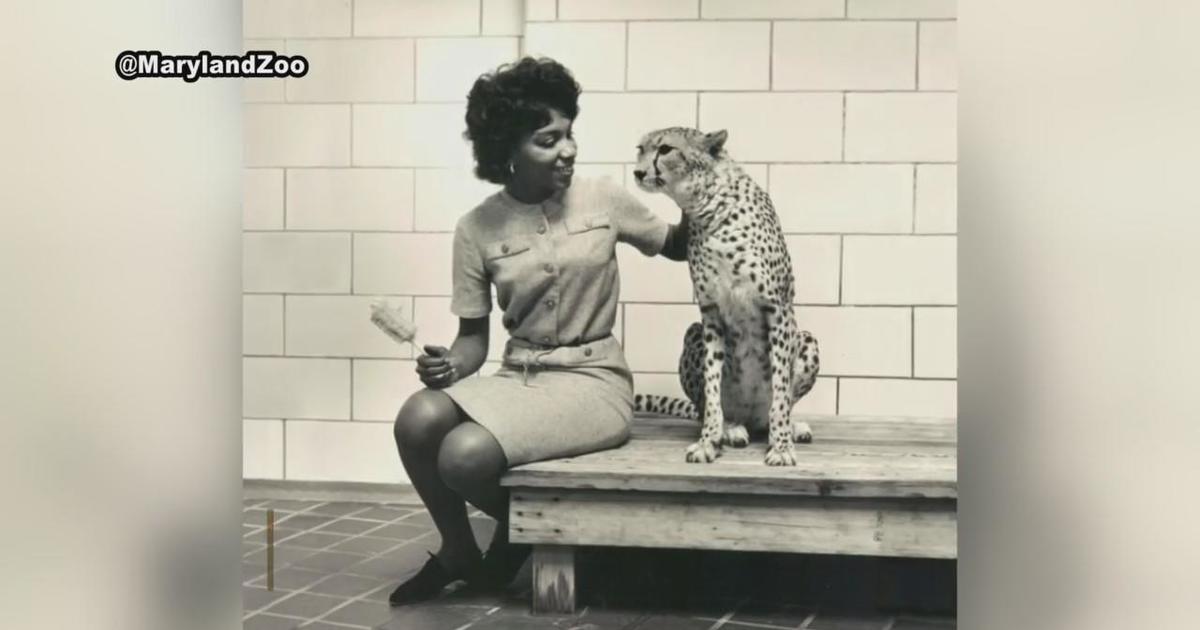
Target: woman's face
{"type": "Point", "coordinates": [545, 160]}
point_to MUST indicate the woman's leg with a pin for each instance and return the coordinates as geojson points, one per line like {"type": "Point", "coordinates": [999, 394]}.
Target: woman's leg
{"type": "Point", "coordinates": [422, 425]}
{"type": "Point", "coordinates": [471, 461]}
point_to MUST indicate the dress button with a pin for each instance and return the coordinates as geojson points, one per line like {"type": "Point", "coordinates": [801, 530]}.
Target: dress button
{"type": "Point", "coordinates": [549, 303]}
{"type": "Point", "coordinates": [504, 249]}
{"type": "Point", "coordinates": [549, 268]}
{"type": "Point", "coordinates": [546, 340]}
{"type": "Point", "coordinates": [541, 229]}
{"type": "Point", "coordinates": [587, 352]}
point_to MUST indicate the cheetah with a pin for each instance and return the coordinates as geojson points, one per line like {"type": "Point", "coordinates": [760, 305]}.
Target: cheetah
{"type": "Point", "coordinates": [746, 363]}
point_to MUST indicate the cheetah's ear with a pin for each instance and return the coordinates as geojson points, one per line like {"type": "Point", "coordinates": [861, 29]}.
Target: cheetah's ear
{"type": "Point", "coordinates": [714, 142]}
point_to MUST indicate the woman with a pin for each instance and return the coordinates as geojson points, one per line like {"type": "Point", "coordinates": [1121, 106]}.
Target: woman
{"type": "Point", "coordinates": [548, 247]}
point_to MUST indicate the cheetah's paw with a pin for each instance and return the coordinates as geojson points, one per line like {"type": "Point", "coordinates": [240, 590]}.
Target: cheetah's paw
{"type": "Point", "coordinates": [801, 432]}
{"type": "Point", "coordinates": [735, 435]}
{"type": "Point", "coordinates": [781, 456]}
{"type": "Point", "coordinates": [703, 452]}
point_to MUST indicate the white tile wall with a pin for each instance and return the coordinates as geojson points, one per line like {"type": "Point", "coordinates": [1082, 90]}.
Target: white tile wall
{"type": "Point", "coordinates": [654, 335]}
{"type": "Point", "coordinates": [899, 270]}
{"type": "Point", "coordinates": [902, 8]}
{"type": "Point", "coordinates": [657, 279]}
{"type": "Point", "coordinates": [503, 17]}
{"type": "Point", "coordinates": [373, 18]}
{"type": "Point", "coordinates": [296, 135]}
{"type": "Point", "coordinates": [350, 199]}
{"type": "Point", "coordinates": [262, 449]}
{"type": "Point", "coordinates": [901, 127]}
{"type": "Point", "coordinates": [838, 55]}
{"type": "Point", "coordinates": [353, 70]}
{"type": "Point", "coordinates": [937, 199]}
{"type": "Point", "coordinates": [352, 451]}
{"type": "Point", "coordinates": [279, 262]}
{"type": "Point", "coordinates": [855, 198]}
{"type": "Point", "coordinates": [699, 56]}
{"type": "Point", "coordinates": [381, 387]}
{"type": "Point", "coordinates": [779, 127]}
{"type": "Point", "coordinates": [410, 135]}
{"type": "Point", "coordinates": [262, 198]}
{"type": "Point", "coordinates": [448, 67]}
{"type": "Point", "coordinates": [939, 56]}
{"type": "Point", "coordinates": [777, 9]}
{"type": "Point", "coordinates": [610, 125]}
{"type": "Point", "coordinates": [402, 264]}
{"type": "Point", "coordinates": [296, 388]}
{"type": "Point", "coordinates": [593, 52]}
{"type": "Point", "coordinates": [443, 196]}
{"type": "Point", "coordinates": [860, 341]}
{"type": "Point", "coordinates": [339, 326]}
{"type": "Point", "coordinates": [540, 10]}
{"type": "Point", "coordinates": [295, 18]}
{"type": "Point", "coordinates": [935, 342]}
{"type": "Point", "coordinates": [897, 397]}
{"type": "Point", "coordinates": [262, 324]}
{"type": "Point", "coordinates": [263, 90]}
{"type": "Point", "coordinates": [816, 267]}
{"type": "Point", "coordinates": [627, 9]}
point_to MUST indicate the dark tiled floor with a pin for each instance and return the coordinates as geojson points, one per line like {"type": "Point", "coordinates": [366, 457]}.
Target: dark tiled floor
{"type": "Point", "coordinates": [336, 562]}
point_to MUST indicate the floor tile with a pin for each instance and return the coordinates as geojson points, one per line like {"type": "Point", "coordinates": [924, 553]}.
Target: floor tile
{"type": "Point", "coordinates": [251, 571]}
{"type": "Point", "coordinates": [344, 585]}
{"type": "Point", "coordinates": [386, 514]}
{"type": "Point", "coordinates": [671, 622]}
{"type": "Point", "coordinates": [329, 561]}
{"type": "Point", "coordinates": [925, 623]}
{"type": "Point", "coordinates": [305, 521]}
{"type": "Point", "coordinates": [348, 526]}
{"type": "Point", "coordinates": [291, 505]}
{"type": "Point", "coordinates": [363, 613]}
{"type": "Point", "coordinates": [270, 622]}
{"type": "Point", "coordinates": [419, 518]}
{"type": "Point", "coordinates": [772, 615]}
{"type": "Point", "coordinates": [431, 618]}
{"type": "Point", "coordinates": [847, 621]}
{"type": "Point", "coordinates": [291, 578]}
{"type": "Point", "coordinates": [256, 598]}
{"type": "Point", "coordinates": [313, 540]}
{"type": "Point", "coordinates": [320, 625]}
{"type": "Point", "coordinates": [340, 508]}
{"type": "Point", "coordinates": [366, 544]}
{"type": "Point", "coordinates": [307, 605]}
{"type": "Point", "coordinates": [284, 556]}
{"type": "Point", "coordinates": [399, 531]}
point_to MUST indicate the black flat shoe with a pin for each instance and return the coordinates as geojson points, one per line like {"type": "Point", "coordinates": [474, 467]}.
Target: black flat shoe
{"type": "Point", "coordinates": [500, 565]}
{"type": "Point", "coordinates": [425, 585]}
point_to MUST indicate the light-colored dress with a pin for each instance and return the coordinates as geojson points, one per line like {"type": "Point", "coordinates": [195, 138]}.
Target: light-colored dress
{"type": "Point", "coordinates": [564, 387]}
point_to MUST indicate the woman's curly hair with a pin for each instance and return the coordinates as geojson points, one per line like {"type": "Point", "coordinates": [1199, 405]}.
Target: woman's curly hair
{"type": "Point", "coordinates": [507, 104]}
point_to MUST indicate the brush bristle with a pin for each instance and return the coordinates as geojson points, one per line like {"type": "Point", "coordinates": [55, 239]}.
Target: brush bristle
{"type": "Point", "coordinates": [391, 321]}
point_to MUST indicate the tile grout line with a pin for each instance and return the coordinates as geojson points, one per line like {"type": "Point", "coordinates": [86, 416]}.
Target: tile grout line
{"type": "Point", "coordinates": [917, 64]}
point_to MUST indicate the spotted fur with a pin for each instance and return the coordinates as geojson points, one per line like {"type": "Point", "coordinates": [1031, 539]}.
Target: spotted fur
{"type": "Point", "coordinates": [746, 363]}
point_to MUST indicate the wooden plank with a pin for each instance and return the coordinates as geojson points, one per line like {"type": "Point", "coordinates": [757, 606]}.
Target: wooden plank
{"type": "Point", "coordinates": [875, 527]}
{"type": "Point", "coordinates": [866, 429]}
{"type": "Point", "coordinates": [553, 579]}
{"type": "Point", "coordinates": [658, 466]}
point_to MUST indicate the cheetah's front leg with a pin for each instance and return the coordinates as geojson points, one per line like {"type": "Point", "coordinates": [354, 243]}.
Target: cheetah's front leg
{"type": "Point", "coordinates": [781, 337]}
{"type": "Point", "coordinates": [708, 448]}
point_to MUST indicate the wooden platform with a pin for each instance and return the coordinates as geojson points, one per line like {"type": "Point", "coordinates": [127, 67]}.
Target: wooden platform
{"type": "Point", "coordinates": [866, 486]}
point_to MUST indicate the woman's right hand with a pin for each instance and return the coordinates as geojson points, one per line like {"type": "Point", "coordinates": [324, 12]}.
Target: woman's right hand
{"type": "Point", "coordinates": [436, 368]}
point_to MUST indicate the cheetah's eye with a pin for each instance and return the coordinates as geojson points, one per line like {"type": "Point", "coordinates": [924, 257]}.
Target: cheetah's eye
{"type": "Point", "coordinates": [664, 149]}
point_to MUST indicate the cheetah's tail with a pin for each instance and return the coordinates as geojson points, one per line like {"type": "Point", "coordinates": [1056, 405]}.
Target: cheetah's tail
{"type": "Point", "coordinates": [664, 405]}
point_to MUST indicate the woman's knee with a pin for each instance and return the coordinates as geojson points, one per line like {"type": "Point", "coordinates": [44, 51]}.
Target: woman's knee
{"type": "Point", "coordinates": [424, 419]}
{"type": "Point", "coordinates": [470, 456]}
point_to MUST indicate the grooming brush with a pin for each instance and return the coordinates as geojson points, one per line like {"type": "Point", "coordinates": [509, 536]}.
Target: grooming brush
{"type": "Point", "coordinates": [392, 322]}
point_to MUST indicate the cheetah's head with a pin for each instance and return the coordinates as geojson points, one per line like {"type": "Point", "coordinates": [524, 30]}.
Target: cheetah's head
{"type": "Point", "coordinates": [673, 160]}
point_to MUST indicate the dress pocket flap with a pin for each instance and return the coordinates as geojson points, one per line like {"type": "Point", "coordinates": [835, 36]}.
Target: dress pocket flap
{"type": "Point", "coordinates": [587, 222]}
{"type": "Point", "coordinates": [506, 247]}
